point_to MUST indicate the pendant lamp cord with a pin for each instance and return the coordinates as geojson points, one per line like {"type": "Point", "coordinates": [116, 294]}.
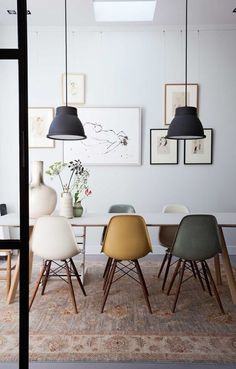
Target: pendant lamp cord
{"type": "Point", "coordinates": [186, 52]}
{"type": "Point", "coordinates": [66, 52]}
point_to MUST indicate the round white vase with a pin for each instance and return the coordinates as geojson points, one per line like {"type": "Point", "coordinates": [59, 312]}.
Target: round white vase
{"type": "Point", "coordinates": [66, 205]}
{"type": "Point", "coordinates": [42, 198]}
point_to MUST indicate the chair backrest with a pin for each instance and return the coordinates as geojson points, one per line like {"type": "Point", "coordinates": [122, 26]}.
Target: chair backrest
{"type": "Point", "coordinates": [127, 238]}
{"type": "Point", "coordinates": [121, 208]}
{"type": "Point", "coordinates": [53, 238]}
{"type": "Point", "coordinates": [197, 238]}
{"type": "Point", "coordinates": [4, 231]}
{"type": "Point", "coordinates": [167, 234]}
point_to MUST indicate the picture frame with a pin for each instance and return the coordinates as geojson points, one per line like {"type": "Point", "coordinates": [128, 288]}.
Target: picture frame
{"type": "Point", "coordinates": [113, 137]}
{"type": "Point", "coordinates": [162, 150]}
{"type": "Point", "coordinates": [199, 151]}
{"type": "Point", "coordinates": [39, 120]}
{"type": "Point", "coordinates": [76, 88]}
{"type": "Point", "coordinates": [175, 97]}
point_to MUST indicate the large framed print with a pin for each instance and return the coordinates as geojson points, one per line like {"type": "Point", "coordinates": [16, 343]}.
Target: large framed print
{"type": "Point", "coordinates": [39, 121]}
{"type": "Point", "coordinates": [199, 151]}
{"type": "Point", "coordinates": [175, 97]}
{"type": "Point", "coordinates": [75, 88]}
{"type": "Point", "coordinates": [113, 137]}
{"type": "Point", "coordinates": [162, 150]}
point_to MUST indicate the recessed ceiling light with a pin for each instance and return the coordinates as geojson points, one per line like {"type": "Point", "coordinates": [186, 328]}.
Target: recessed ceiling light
{"type": "Point", "coordinates": [234, 11]}
{"type": "Point", "coordinates": [13, 12]}
{"type": "Point", "coordinates": [124, 11]}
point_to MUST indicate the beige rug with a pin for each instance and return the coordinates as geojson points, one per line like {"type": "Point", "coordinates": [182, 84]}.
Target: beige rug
{"type": "Point", "coordinates": [197, 332]}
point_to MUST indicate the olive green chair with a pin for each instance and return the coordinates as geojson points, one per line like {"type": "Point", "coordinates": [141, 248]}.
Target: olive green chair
{"type": "Point", "coordinates": [197, 240]}
{"type": "Point", "coordinates": [117, 208]}
{"type": "Point", "coordinates": [126, 240]}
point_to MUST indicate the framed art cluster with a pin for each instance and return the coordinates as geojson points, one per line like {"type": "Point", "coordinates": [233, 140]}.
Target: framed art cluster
{"type": "Point", "coordinates": [164, 151]}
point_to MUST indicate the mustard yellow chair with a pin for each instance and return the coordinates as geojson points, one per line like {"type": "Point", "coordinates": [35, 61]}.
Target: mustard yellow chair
{"type": "Point", "coordinates": [126, 239]}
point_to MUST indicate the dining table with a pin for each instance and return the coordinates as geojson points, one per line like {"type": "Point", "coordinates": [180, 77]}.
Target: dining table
{"type": "Point", "coordinates": [92, 220]}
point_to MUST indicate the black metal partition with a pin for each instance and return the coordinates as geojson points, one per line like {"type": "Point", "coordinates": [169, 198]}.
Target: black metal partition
{"type": "Point", "coordinates": [22, 244]}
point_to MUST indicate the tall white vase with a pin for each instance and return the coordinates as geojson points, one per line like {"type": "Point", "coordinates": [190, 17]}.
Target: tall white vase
{"type": "Point", "coordinates": [42, 198]}
{"type": "Point", "coordinates": [66, 205]}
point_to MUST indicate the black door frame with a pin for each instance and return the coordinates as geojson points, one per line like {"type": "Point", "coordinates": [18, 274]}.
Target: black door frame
{"type": "Point", "coordinates": [20, 54]}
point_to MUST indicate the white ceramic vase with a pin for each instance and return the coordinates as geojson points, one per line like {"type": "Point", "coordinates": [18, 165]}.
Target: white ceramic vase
{"type": "Point", "coordinates": [42, 198]}
{"type": "Point", "coordinates": [66, 205]}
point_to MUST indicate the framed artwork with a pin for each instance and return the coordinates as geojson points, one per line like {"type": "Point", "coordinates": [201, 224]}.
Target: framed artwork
{"type": "Point", "coordinates": [175, 97]}
{"type": "Point", "coordinates": [162, 150]}
{"type": "Point", "coordinates": [39, 121]}
{"type": "Point", "coordinates": [199, 151]}
{"type": "Point", "coordinates": [113, 137]}
{"type": "Point", "coordinates": [76, 87]}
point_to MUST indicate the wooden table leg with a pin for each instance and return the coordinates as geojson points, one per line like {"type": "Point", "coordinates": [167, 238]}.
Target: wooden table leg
{"type": "Point", "coordinates": [228, 268]}
{"type": "Point", "coordinates": [14, 283]}
{"type": "Point", "coordinates": [15, 280]}
{"type": "Point", "coordinates": [217, 270]}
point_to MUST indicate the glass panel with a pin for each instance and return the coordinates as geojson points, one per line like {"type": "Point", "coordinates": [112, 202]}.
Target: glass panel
{"type": "Point", "coordinates": [9, 150]}
{"type": "Point", "coordinates": [9, 313]}
{"type": "Point", "coordinates": [8, 24]}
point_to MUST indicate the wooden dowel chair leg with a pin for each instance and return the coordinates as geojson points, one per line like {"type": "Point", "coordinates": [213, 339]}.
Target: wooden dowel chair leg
{"type": "Point", "coordinates": [163, 263]}
{"type": "Point", "coordinates": [193, 270]}
{"type": "Point", "coordinates": [199, 275]}
{"type": "Point", "coordinates": [37, 284]}
{"type": "Point", "coordinates": [107, 267]}
{"type": "Point", "coordinates": [70, 286]}
{"type": "Point", "coordinates": [46, 276]}
{"type": "Point", "coordinates": [143, 284]}
{"type": "Point", "coordinates": [179, 287]}
{"type": "Point", "coordinates": [174, 276]}
{"type": "Point", "coordinates": [206, 278]}
{"type": "Point", "coordinates": [214, 287]}
{"type": "Point", "coordinates": [77, 276]}
{"type": "Point", "coordinates": [166, 271]}
{"type": "Point", "coordinates": [106, 273]}
{"type": "Point", "coordinates": [109, 282]}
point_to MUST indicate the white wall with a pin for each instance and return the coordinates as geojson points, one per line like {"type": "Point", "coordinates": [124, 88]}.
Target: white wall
{"type": "Point", "coordinates": [129, 68]}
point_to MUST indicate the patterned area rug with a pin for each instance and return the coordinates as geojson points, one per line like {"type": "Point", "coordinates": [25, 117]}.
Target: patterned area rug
{"type": "Point", "coordinates": [197, 332]}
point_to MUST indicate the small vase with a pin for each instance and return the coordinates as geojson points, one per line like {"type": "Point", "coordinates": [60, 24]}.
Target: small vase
{"type": "Point", "coordinates": [78, 209]}
{"type": "Point", "coordinates": [66, 207]}
{"type": "Point", "coordinates": [42, 198]}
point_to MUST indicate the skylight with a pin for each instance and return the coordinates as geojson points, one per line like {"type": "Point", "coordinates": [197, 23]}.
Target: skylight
{"type": "Point", "coordinates": [124, 11]}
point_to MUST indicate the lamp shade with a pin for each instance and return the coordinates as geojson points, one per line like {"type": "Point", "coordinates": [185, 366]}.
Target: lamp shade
{"type": "Point", "coordinates": [66, 125]}
{"type": "Point", "coordinates": [185, 125]}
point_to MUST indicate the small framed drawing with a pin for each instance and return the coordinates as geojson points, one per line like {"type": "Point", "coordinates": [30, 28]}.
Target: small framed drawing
{"type": "Point", "coordinates": [162, 151]}
{"type": "Point", "coordinates": [175, 97]}
{"type": "Point", "coordinates": [39, 121]}
{"type": "Point", "coordinates": [76, 86]}
{"type": "Point", "coordinates": [199, 151]}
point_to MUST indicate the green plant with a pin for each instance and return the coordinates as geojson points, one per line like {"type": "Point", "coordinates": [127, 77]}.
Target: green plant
{"type": "Point", "coordinates": [78, 178]}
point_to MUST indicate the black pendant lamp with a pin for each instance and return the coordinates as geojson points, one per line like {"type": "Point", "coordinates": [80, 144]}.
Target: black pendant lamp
{"type": "Point", "coordinates": [186, 124]}
{"type": "Point", "coordinates": [66, 125]}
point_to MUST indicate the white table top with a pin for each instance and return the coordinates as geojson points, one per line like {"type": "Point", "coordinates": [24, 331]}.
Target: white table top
{"type": "Point", "coordinates": [100, 220]}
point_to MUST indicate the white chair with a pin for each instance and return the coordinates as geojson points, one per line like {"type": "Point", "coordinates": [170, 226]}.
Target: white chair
{"type": "Point", "coordinates": [53, 239]}
{"type": "Point", "coordinates": [167, 235]}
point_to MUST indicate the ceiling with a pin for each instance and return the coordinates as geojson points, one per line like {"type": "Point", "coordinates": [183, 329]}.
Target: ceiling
{"type": "Point", "coordinates": [80, 13]}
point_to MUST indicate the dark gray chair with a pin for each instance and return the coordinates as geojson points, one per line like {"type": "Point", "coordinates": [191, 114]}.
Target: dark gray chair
{"type": "Point", "coordinates": [117, 208]}
{"type": "Point", "coordinates": [197, 240]}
